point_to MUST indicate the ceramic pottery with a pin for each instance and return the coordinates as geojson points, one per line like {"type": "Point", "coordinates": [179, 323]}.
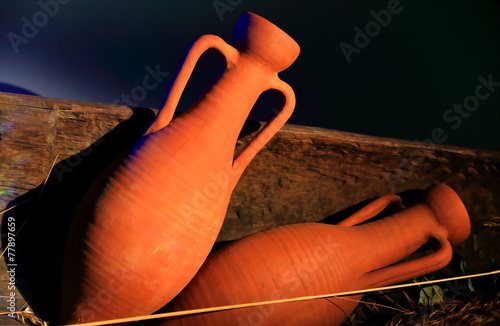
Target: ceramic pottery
{"type": "Point", "coordinates": [313, 259]}
{"type": "Point", "coordinates": [143, 231]}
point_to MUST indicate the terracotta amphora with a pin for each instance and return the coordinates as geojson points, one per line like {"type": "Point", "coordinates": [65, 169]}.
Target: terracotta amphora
{"type": "Point", "coordinates": [314, 259]}
{"type": "Point", "coordinates": [140, 235]}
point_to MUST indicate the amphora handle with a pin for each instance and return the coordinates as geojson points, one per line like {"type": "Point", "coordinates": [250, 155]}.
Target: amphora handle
{"type": "Point", "coordinates": [232, 55]}
{"type": "Point", "coordinates": [371, 210]}
{"type": "Point", "coordinates": [270, 128]}
{"type": "Point", "coordinates": [452, 227]}
{"type": "Point", "coordinates": [407, 270]}
{"type": "Point", "coordinates": [201, 45]}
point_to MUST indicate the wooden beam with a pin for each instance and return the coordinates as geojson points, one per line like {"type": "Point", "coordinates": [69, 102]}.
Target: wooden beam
{"type": "Point", "coordinates": [304, 174]}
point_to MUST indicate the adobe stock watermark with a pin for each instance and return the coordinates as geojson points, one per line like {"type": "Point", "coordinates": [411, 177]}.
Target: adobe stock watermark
{"type": "Point", "coordinates": [454, 117]}
{"type": "Point", "coordinates": [150, 81]}
{"type": "Point", "coordinates": [372, 29]}
{"type": "Point", "coordinates": [30, 27]}
{"type": "Point", "coordinates": [221, 7]}
{"type": "Point", "coordinates": [11, 265]}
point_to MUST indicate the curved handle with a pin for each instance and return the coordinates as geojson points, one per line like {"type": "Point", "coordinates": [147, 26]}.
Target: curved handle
{"type": "Point", "coordinates": [407, 270]}
{"type": "Point", "coordinates": [201, 45]}
{"type": "Point", "coordinates": [244, 157]}
{"type": "Point", "coordinates": [371, 210]}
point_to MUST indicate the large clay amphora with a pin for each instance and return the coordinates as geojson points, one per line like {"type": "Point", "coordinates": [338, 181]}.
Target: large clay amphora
{"type": "Point", "coordinates": [314, 259]}
{"type": "Point", "coordinates": [142, 234]}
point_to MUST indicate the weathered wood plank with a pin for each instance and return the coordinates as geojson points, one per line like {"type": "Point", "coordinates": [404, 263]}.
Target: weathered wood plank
{"type": "Point", "coordinates": [303, 174]}
{"type": "Point", "coordinates": [294, 176]}
{"type": "Point", "coordinates": [35, 130]}
{"type": "Point", "coordinates": [308, 173]}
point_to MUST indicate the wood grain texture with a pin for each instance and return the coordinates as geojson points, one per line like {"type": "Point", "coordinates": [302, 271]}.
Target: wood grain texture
{"type": "Point", "coordinates": [304, 174]}
{"type": "Point", "coordinates": [34, 130]}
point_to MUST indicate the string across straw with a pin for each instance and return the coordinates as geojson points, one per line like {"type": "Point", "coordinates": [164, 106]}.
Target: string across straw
{"type": "Point", "coordinates": [262, 303]}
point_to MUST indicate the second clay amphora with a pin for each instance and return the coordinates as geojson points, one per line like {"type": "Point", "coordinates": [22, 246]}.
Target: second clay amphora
{"type": "Point", "coordinates": [141, 235]}
{"type": "Point", "coordinates": [316, 259]}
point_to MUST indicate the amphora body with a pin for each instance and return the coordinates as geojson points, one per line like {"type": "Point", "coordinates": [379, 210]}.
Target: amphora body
{"type": "Point", "coordinates": [315, 259]}
{"type": "Point", "coordinates": [140, 235]}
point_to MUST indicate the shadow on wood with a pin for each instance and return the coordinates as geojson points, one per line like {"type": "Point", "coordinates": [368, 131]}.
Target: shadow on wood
{"type": "Point", "coordinates": [43, 215]}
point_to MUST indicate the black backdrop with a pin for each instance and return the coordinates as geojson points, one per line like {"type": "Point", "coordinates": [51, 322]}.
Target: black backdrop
{"type": "Point", "coordinates": [403, 81]}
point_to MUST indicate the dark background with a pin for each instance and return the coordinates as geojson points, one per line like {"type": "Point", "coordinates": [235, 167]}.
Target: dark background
{"type": "Point", "coordinates": [426, 59]}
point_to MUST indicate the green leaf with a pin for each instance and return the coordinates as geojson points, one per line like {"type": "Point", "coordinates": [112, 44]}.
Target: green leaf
{"type": "Point", "coordinates": [463, 267]}
{"type": "Point", "coordinates": [471, 287]}
{"type": "Point", "coordinates": [430, 295]}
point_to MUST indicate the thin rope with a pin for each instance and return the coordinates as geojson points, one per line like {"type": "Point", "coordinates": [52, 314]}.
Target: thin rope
{"type": "Point", "coordinates": [262, 303]}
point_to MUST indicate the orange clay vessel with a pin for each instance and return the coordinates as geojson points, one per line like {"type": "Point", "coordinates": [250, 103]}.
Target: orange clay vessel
{"type": "Point", "coordinates": [141, 235]}
{"type": "Point", "coordinates": [314, 259]}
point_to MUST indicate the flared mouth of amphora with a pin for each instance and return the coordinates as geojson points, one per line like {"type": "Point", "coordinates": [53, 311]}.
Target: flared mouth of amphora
{"type": "Point", "coordinates": [449, 210]}
{"type": "Point", "coordinates": [260, 37]}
